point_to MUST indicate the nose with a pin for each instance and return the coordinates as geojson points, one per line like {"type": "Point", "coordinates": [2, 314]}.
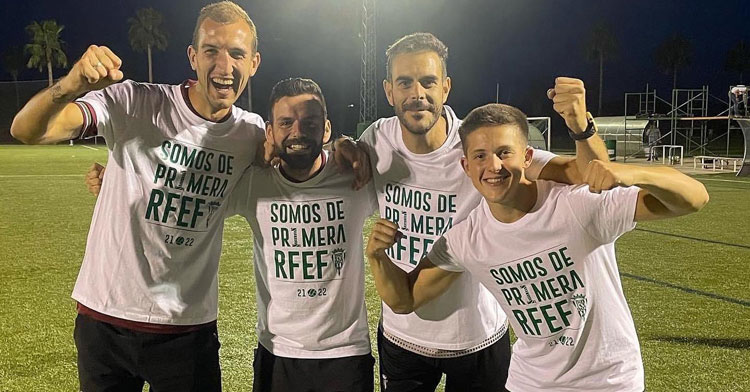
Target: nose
{"type": "Point", "coordinates": [224, 62]}
{"type": "Point", "coordinates": [296, 129]}
{"type": "Point", "coordinates": [418, 91]}
{"type": "Point", "coordinates": [496, 164]}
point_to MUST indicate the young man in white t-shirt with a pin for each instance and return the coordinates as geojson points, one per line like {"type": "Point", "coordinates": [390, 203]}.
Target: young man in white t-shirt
{"type": "Point", "coordinates": [147, 289]}
{"type": "Point", "coordinates": [421, 186]}
{"type": "Point", "coordinates": [546, 253]}
{"type": "Point", "coordinates": [308, 254]}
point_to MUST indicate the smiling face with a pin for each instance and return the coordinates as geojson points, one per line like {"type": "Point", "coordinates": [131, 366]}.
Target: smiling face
{"type": "Point", "coordinates": [298, 130]}
{"type": "Point", "coordinates": [417, 90]}
{"type": "Point", "coordinates": [496, 157]}
{"type": "Point", "coordinates": [224, 59]}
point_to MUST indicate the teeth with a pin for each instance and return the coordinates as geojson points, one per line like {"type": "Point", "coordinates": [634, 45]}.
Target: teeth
{"type": "Point", "coordinates": [223, 82]}
{"type": "Point", "coordinates": [495, 180]}
{"type": "Point", "coordinates": [297, 146]}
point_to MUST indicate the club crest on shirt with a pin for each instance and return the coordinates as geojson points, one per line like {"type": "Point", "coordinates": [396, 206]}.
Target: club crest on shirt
{"type": "Point", "coordinates": [338, 255]}
{"type": "Point", "coordinates": [579, 301]}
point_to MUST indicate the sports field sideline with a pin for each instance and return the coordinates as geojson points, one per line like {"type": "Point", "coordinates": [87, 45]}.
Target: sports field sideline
{"type": "Point", "coordinates": [686, 281]}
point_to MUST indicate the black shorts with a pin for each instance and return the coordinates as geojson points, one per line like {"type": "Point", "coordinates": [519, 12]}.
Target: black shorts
{"type": "Point", "coordinates": [115, 359]}
{"type": "Point", "coordinates": [402, 370]}
{"type": "Point", "coordinates": [279, 374]}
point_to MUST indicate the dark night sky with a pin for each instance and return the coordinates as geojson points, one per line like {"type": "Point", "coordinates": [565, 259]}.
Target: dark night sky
{"type": "Point", "coordinates": [521, 44]}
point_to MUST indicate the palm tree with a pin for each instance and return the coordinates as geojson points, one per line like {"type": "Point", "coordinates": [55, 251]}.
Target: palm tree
{"type": "Point", "coordinates": [13, 61]}
{"type": "Point", "coordinates": [601, 46]}
{"type": "Point", "coordinates": [46, 46]}
{"type": "Point", "coordinates": [673, 54]}
{"type": "Point", "coordinates": [146, 32]}
{"type": "Point", "coordinates": [738, 59]}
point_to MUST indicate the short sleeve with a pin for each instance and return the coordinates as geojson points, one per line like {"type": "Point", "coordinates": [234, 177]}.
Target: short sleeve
{"type": "Point", "coordinates": [101, 109]}
{"type": "Point", "coordinates": [368, 136]}
{"type": "Point", "coordinates": [442, 257]}
{"type": "Point", "coordinates": [237, 202]}
{"type": "Point", "coordinates": [538, 161]}
{"type": "Point", "coordinates": [607, 215]}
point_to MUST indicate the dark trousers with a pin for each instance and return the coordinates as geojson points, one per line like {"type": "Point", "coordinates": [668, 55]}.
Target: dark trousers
{"type": "Point", "coordinates": [115, 359]}
{"type": "Point", "coordinates": [404, 371]}
{"type": "Point", "coordinates": [279, 374]}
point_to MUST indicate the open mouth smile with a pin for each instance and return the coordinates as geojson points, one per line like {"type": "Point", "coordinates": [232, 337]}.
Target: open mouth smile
{"type": "Point", "coordinates": [222, 84]}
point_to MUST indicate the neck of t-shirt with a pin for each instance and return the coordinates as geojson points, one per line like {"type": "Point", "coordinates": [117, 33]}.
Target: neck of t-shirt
{"type": "Point", "coordinates": [302, 175]}
{"type": "Point", "coordinates": [429, 141]}
{"type": "Point", "coordinates": [190, 84]}
{"type": "Point", "coordinates": [518, 202]}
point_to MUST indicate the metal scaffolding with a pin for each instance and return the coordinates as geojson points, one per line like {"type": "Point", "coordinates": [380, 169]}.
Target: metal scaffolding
{"type": "Point", "coordinates": [688, 114]}
{"type": "Point", "coordinates": [368, 105]}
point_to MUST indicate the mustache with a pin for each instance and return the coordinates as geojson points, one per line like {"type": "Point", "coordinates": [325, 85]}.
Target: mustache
{"type": "Point", "coordinates": [418, 105]}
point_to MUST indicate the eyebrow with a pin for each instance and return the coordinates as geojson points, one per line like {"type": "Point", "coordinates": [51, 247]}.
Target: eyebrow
{"type": "Point", "coordinates": [211, 46]}
{"type": "Point", "coordinates": [429, 78]}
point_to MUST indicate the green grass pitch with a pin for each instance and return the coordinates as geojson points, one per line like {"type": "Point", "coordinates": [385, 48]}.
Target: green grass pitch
{"type": "Point", "coordinates": [686, 281]}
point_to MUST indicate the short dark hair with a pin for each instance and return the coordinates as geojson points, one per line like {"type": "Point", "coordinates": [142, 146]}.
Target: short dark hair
{"type": "Point", "coordinates": [292, 87]}
{"type": "Point", "coordinates": [224, 12]}
{"type": "Point", "coordinates": [493, 114]}
{"type": "Point", "coordinates": [413, 43]}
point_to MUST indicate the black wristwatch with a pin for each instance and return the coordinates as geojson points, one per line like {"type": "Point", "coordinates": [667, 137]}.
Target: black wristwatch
{"type": "Point", "coordinates": [588, 132]}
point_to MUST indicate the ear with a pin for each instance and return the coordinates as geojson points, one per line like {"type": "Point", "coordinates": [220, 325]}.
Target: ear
{"type": "Point", "coordinates": [254, 64]}
{"type": "Point", "coordinates": [388, 88]}
{"type": "Point", "coordinates": [327, 132]}
{"type": "Point", "coordinates": [269, 131]}
{"type": "Point", "coordinates": [465, 165]}
{"type": "Point", "coordinates": [527, 157]}
{"type": "Point", "coordinates": [446, 88]}
{"type": "Point", "coordinates": [191, 53]}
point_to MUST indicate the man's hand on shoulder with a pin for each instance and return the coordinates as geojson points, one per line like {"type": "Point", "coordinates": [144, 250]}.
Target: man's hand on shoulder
{"type": "Point", "coordinates": [349, 155]}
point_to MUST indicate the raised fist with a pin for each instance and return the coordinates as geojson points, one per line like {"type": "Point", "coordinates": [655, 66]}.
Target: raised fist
{"type": "Point", "coordinates": [569, 100]}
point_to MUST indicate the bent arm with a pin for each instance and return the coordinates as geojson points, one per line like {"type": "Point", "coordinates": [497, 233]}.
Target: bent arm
{"type": "Point", "coordinates": [49, 117]}
{"type": "Point", "coordinates": [568, 170]}
{"type": "Point", "coordinates": [404, 292]}
{"type": "Point", "coordinates": [666, 193]}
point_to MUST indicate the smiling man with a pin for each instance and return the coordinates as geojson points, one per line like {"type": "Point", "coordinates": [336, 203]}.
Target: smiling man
{"type": "Point", "coordinates": [422, 188]}
{"type": "Point", "coordinates": [307, 249]}
{"type": "Point", "coordinates": [546, 253]}
{"type": "Point", "coordinates": [147, 289]}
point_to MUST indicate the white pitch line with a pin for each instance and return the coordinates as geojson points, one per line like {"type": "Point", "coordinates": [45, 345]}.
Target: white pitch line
{"type": "Point", "coordinates": [717, 179]}
{"type": "Point", "coordinates": [40, 175]}
{"type": "Point", "coordinates": [90, 148]}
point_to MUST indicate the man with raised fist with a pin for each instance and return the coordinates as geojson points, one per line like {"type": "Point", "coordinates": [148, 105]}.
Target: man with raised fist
{"type": "Point", "coordinates": [544, 250]}
{"type": "Point", "coordinates": [421, 186]}
{"type": "Point", "coordinates": [147, 290]}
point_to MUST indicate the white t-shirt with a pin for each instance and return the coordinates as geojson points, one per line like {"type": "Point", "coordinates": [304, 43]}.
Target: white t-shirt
{"type": "Point", "coordinates": [153, 248]}
{"type": "Point", "coordinates": [427, 194]}
{"type": "Point", "coordinates": [554, 273]}
{"type": "Point", "coordinates": [309, 263]}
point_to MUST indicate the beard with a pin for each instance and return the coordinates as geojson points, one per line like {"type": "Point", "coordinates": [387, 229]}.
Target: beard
{"type": "Point", "coordinates": [299, 160]}
{"type": "Point", "coordinates": [418, 127]}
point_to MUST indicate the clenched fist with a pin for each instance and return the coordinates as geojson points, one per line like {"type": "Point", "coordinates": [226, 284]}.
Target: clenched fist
{"type": "Point", "coordinates": [605, 175]}
{"type": "Point", "coordinates": [98, 68]}
{"type": "Point", "coordinates": [94, 178]}
{"type": "Point", "coordinates": [383, 235]}
{"type": "Point", "coordinates": [569, 100]}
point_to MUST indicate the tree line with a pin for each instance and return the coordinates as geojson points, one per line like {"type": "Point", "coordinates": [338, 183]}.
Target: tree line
{"type": "Point", "coordinates": [146, 34]}
{"type": "Point", "coordinates": [45, 49]}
